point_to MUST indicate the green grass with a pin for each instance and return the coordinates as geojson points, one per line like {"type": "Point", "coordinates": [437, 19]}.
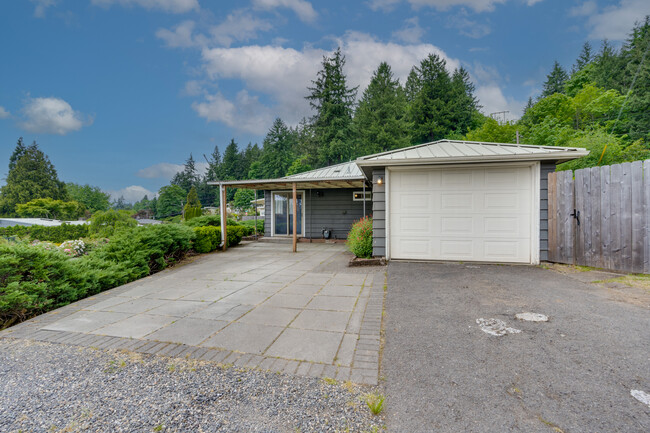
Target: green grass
{"type": "Point", "coordinates": [375, 402]}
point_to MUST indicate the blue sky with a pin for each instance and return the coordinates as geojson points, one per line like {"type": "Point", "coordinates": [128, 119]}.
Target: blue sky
{"type": "Point", "coordinates": [119, 92]}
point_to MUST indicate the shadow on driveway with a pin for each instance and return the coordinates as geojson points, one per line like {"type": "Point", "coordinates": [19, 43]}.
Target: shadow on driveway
{"type": "Point", "coordinates": [571, 374]}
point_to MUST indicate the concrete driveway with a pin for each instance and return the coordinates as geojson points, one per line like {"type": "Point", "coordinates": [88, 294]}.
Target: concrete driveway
{"type": "Point", "coordinates": [574, 373]}
{"type": "Point", "coordinates": [258, 305]}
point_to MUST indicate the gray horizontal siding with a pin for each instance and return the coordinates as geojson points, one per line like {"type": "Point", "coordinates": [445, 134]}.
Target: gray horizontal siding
{"type": "Point", "coordinates": [331, 209]}
{"type": "Point", "coordinates": [545, 169]}
{"type": "Point", "coordinates": [378, 214]}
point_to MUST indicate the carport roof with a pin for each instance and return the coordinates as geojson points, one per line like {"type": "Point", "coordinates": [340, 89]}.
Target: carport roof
{"type": "Point", "coordinates": [344, 175]}
{"type": "Point", "coordinates": [452, 151]}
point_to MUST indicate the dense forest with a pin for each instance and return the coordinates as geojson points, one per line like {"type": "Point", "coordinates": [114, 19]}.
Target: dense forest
{"type": "Point", "coordinates": [602, 103]}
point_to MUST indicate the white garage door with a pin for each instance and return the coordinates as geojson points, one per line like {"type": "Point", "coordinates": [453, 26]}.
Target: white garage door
{"type": "Point", "coordinates": [467, 214]}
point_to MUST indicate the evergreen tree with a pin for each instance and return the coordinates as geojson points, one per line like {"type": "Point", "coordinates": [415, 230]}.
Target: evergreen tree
{"type": "Point", "coordinates": [31, 176]}
{"type": "Point", "coordinates": [232, 162]}
{"type": "Point", "coordinates": [413, 85]}
{"type": "Point", "coordinates": [529, 105]}
{"type": "Point", "coordinates": [555, 81]}
{"type": "Point", "coordinates": [463, 104]}
{"type": "Point", "coordinates": [251, 154]}
{"type": "Point", "coordinates": [637, 46]}
{"type": "Point", "coordinates": [607, 68]}
{"type": "Point", "coordinates": [214, 165]}
{"type": "Point", "coordinates": [585, 57]}
{"type": "Point", "coordinates": [333, 102]}
{"type": "Point", "coordinates": [278, 150]}
{"type": "Point", "coordinates": [430, 109]}
{"type": "Point", "coordinates": [188, 177]}
{"type": "Point", "coordinates": [171, 199]}
{"type": "Point", "coordinates": [380, 121]}
{"type": "Point", "coordinates": [121, 204]}
{"type": "Point", "coordinates": [193, 205]}
{"type": "Point", "coordinates": [18, 152]}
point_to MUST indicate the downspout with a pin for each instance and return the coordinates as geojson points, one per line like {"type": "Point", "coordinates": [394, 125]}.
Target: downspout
{"type": "Point", "coordinates": [364, 199]}
{"type": "Point", "coordinates": [223, 220]}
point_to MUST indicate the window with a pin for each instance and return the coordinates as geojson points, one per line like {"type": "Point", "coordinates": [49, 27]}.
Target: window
{"type": "Point", "coordinates": [358, 196]}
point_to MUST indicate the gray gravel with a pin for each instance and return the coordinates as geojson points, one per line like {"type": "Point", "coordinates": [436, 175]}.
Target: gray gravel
{"type": "Point", "coordinates": [51, 387]}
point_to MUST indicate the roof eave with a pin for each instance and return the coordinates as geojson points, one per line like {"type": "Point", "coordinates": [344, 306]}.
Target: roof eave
{"type": "Point", "coordinates": [552, 156]}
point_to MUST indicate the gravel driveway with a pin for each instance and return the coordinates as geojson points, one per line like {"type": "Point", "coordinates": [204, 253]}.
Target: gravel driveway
{"type": "Point", "coordinates": [574, 373]}
{"type": "Point", "coordinates": [55, 387]}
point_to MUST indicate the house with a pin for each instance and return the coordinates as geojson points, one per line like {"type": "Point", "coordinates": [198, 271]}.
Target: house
{"type": "Point", "coordinates": [445, 200]}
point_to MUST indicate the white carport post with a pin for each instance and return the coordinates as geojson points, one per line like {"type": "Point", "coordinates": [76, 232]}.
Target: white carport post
{"type": "Point", "coordinates": [295, 219]}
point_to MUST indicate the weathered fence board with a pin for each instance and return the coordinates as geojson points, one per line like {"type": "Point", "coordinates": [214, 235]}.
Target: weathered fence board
{"type": "Point", "coordinates": [600, 217]}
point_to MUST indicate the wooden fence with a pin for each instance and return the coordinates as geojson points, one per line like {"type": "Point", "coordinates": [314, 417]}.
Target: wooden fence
{"type": "Point", "coordinates": [600, 217]}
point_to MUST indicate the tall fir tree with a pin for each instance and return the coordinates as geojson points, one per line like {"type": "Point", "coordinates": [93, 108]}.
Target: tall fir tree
{"type": "Point", "coordinates": [333, 102]}
{"type": "Point", "coordinates": [192, 208]}
{"type": "Point", "coordinates": [607, 68]}
{"type": "Point", "coordinates": [555, 81]}
{"type": "Point", "coordinates": [413, 85]}
{"type": "Point", "coordinates": [188, 177]}
{"type": "Point", "coordinates": [380, 118]}
{"type": "Point", "coordinates": [278, 151]}
{"type": "Point", "coordinates": [584, 58]}
{"type": "Point", "coordinates": [231, 165]}
{"type": "Point", "coordinates": [430, 111]}
{"type": "Point", "coordinates": [31, 175]}
{"type": "Point", "coordinates": [463, 104]}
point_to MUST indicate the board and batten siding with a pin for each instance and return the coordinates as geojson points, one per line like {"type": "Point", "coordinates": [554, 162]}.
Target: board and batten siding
{"type": "Point", "coordinates": [331, 209]}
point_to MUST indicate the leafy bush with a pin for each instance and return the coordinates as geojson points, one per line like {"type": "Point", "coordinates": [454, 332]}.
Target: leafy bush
{"type": "Point", "coordinates": [34, 280]}
{"type": "Point", "coordinates": [251, 224]}
{"type": "Point", "coordinates": [360, 238]}
{"type": "Point", "coordinates": [209, 220]}
{"type": "Point", "coordinates": [56, 234]}
{"type": "Point", "coordinates": [107, 223]}
{"type": "Point", "coordinates": [208, 238]}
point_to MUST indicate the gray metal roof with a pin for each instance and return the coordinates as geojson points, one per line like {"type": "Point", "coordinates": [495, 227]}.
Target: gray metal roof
{"type": "Point", "coordinates": [448, 151]}
{"type": "Point", "coordinates": [345, 170]}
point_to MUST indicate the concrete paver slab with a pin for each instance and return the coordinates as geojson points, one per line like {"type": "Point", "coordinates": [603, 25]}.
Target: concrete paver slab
{"type": "Point", "coordinates": [135, 326]}
{"type": "Point", "coordinates": [306, 345]}
{"type": "Point", "coordinates": [287, 300]}
{"type": "Point", "coordinates": [178, 308]}
{"type": "Point", "coordinates": [187, 331]}
{"type": "Point", "coordinates": [135, 306]}
{"type": "Point", "coordinates": [250, 298]}
{"type": "Point", "coordinates": [106, 303]}
{"type": "Point", "coordinates": [86, 321]}
{"type": "Point", "coordinates": [340, 290]}
{"type": "Point", "coordinates": [322, 320]}
{"type": "Point", "coordinates": [301, 289]}
{"type": "Point", "coordinates": [245, 337]}
{"type": "Point", "coordinates": [333, 303]}
{"type": "Point", "coordinates": [206, 295]}
{"type": "Point", "coordinates": [267, 315]}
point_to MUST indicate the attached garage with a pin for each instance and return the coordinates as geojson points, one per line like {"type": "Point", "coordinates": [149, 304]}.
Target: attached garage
{"type": "Point", "coordinates": [480, 214]}
{"type": "Point", "coordinates": [463, 201]}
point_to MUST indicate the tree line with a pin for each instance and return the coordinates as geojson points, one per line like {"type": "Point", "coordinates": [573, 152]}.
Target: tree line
{"type": "Point", "coordinates": [601, 103]}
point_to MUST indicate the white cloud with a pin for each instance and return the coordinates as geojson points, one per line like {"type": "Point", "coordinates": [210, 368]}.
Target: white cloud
{"type": "Point", "coordinates": [411, 32]}
{"type": "Point", "coordinates": [476, 5]}
{"type": "Point", "coordinates": [172, 6]}
{"type": "Point", "coordinates": [238, 26]}
{"type": "Point", "coordinates": [52, 116]}
{"type": "Point", "coordinates": [180, 36]}
{"type": "Point", "coordinates": [41, 7]}
{"type": "Point", "coordinates": [166, 170]}
{"type": "Point", "coordinates": [585, 9]}
{"type": "Point", "coordinates": [616, 22]}
{"type": "Point", "coordinates": [4, 113]}
{"type": "Point", "coordinates": [466, 26]}
{"type": "Point", "coordinates": [132, 193]}
{"type": "Point", "coordinates": [246, 113]}
{"type": "Point", "coordinates": [282, 75]}
{"type": "Point", "coordinates": [492, 99]}
{"type": "Point", "coordinates": [302, 8]}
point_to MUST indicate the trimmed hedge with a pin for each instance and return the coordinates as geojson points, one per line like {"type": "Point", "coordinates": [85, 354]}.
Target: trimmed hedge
{"type": "Point", "coordinates": [34, 280]}
{"type": "Point", "coordinates": [56, 234]}
{"type": "Point", "coordinates": [209, 220]}
{"type": "Point", "coordinates": [208, 238]}
{"type": "Point", "coordinates": [251, 224]}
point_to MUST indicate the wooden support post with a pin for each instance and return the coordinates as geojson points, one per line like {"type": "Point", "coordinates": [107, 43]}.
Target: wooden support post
{"type": "Point", "coordinates": [224, 217]}
{"type": "Point", "coordinates": [295, 219]}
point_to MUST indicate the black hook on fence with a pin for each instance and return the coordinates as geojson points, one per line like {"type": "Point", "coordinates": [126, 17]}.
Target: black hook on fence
{"type": "Point", "coordinates": [576, 215]}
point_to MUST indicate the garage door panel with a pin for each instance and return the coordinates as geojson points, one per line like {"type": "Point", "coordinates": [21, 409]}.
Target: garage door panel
{"type": "Point", "coordinates": [473, 214]}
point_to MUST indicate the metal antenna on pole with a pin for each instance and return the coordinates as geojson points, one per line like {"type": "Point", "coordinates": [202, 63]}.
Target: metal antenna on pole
{"type": "Point", "coordinates": [498, 114]}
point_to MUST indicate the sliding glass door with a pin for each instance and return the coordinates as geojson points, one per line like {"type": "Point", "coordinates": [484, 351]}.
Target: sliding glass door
{"type": "Point", "coordinates": [283, 213]}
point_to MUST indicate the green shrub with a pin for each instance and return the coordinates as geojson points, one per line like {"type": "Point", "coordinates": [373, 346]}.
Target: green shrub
{"type": "Point", "coordinates": [34, 280]}
{"type": "Point", "coordinates": [360, 238]}
{"type": "Point", "coordinates": [208, 238]}
{"type": "Point", "coordinates": [55, 234]}
{"type": "Point", "coordinates": [209, 220]}
{"type": "Point", "coordinates": [107, 223]}
{"type": "Point", "coordinates": [251, 224]}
